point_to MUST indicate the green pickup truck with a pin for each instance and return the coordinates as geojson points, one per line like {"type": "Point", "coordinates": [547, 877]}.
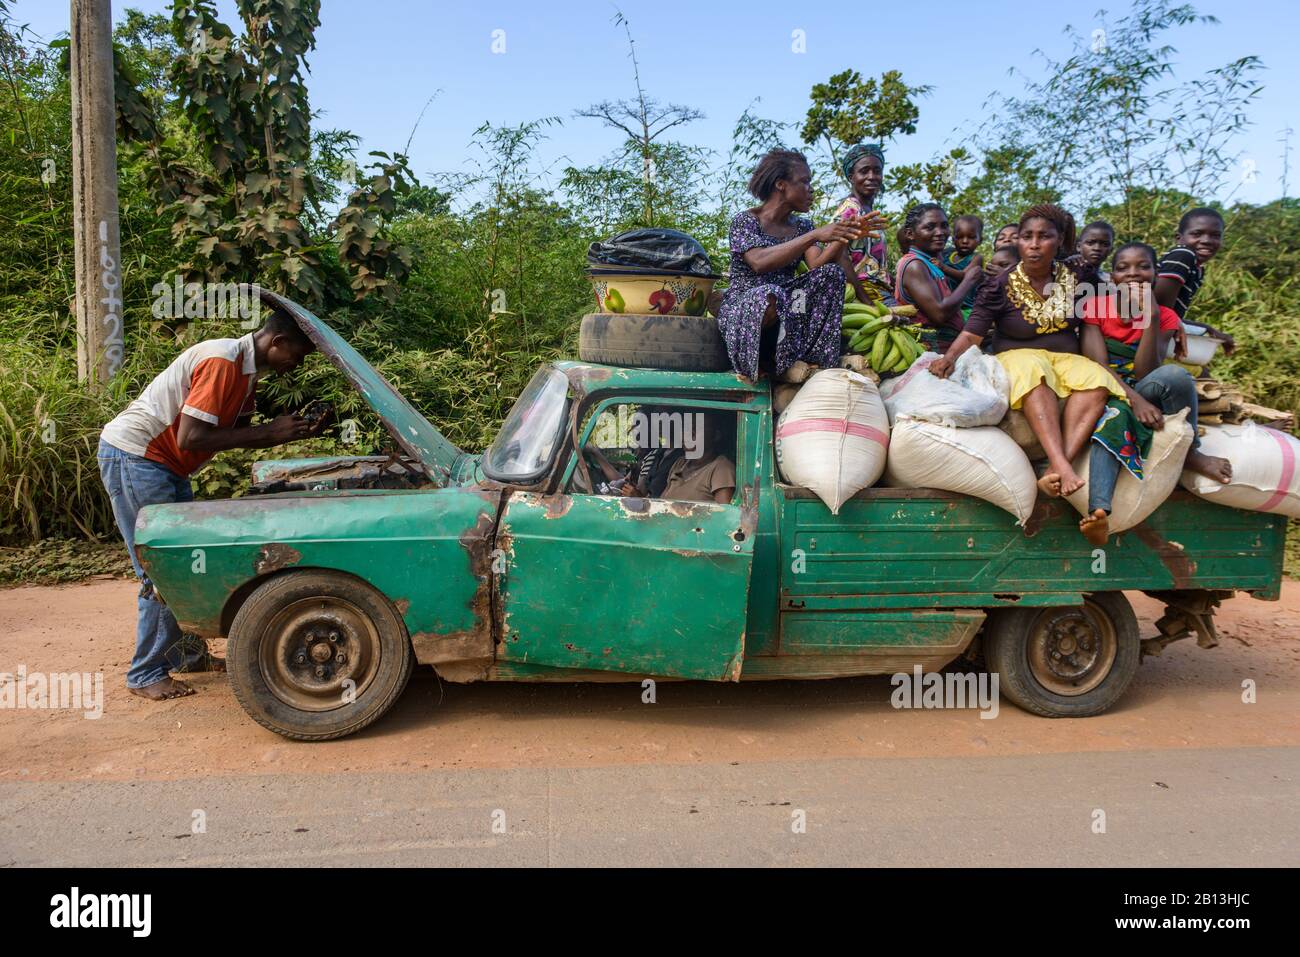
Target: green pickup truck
{"type": "Point", "coordinates": [335, 576]}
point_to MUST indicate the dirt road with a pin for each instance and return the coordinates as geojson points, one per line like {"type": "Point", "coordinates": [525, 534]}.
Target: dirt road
{"type": "Point", "coordinates": [699, 743]}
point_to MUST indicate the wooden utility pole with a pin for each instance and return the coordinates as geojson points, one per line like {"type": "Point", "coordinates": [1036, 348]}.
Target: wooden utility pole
{"type": "Point", "coordinates": [100, 345]}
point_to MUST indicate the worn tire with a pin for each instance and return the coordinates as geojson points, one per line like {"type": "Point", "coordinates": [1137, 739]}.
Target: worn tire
{"type": "Point", "coordinates": [1016, 637]}
{"type": "Point", "coordinates": [684, 343]}
{"type": "Point", "coordinates": [260, 649]}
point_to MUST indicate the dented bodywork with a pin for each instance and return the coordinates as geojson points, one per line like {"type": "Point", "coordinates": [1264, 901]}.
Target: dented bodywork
{"type": "Point", "coordinates": [624, 584]}
{"type": "Point", "coordinates": [428, 551]}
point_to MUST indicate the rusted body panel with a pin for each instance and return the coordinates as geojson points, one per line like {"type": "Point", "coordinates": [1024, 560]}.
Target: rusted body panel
{"type": "Point", "coordinates": [428, 551]}
{"type": "Point", "coordinates": [586, 379]}
{"type": "Point", "coordinates": [894, 547]}
{"type": "Point", "coordinates": [624, 584]}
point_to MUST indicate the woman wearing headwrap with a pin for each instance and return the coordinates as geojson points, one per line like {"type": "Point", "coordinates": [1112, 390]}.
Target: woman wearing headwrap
{"type": "Point", "coordinates": [866, 261]}
{"type": "Point", "coordinates": [1048, 353]}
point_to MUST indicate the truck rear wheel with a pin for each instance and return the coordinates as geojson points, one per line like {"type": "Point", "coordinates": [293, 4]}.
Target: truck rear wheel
{"type": "Point", "coordinates": [686, 343]}
{"type": "Point", "coordinates": [1069, 662]}
{"type": "Point", "coordinates": [315, 655]}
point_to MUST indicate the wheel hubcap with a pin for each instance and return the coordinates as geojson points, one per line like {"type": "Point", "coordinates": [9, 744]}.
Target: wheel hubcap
{"type": "Point", "coordinates": [1071, 650]}
{"type": "Point", "coordinates": [319, 654]}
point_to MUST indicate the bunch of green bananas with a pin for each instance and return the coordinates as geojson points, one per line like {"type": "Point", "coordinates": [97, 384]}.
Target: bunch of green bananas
{"type": "Point", "coordinates": [875, 332]}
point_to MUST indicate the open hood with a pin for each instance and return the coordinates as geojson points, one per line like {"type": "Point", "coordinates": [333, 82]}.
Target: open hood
{"type": "Point", "coordinates": [412, 431]}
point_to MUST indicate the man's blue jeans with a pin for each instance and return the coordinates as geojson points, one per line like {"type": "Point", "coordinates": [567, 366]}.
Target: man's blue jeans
{"type": "Point", "coordinates": [132, 483]}
{"type": "Point", "coordinates": [1169, 388]}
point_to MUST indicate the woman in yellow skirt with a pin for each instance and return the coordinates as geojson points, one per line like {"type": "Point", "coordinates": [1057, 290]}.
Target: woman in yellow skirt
{"type": "Point", "coordinates": [1048, 352]}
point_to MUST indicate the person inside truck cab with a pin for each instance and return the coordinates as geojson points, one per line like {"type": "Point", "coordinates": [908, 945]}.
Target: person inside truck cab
{"type": "Point", "coordinates": [648, 474]}
{"type": "Point", "coordinates": [706, 473]}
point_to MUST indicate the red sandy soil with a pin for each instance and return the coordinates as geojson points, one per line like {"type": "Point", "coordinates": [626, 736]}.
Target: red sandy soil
{"type": "Point", "coordinates": [1187, 698]}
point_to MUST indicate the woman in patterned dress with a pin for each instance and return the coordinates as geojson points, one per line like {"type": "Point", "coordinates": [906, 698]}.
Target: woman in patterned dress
{"type": "Point", "coordinates": [766, 299]}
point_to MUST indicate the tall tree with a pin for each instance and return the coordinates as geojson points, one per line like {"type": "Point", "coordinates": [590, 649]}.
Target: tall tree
{"type": "Point", "coordinates": [644, 120]}
{"type": "Point", "coordinates": [245, 203]}
{"type": "Point", "coordinates": [847, 109]}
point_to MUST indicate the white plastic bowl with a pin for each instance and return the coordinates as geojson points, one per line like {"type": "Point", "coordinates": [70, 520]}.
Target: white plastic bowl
{"type": "Point", "coordinates": [1200, 349]}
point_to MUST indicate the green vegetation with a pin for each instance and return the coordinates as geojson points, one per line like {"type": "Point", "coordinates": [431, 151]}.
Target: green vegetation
{"type": "Point", "coordinates": [457, 289]}
{"type": "Point", "coordinates": [57, 561]}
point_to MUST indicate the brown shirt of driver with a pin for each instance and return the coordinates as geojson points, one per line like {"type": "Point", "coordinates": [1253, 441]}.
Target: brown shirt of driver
{"type": "Point", "coordinates": [697, 480]}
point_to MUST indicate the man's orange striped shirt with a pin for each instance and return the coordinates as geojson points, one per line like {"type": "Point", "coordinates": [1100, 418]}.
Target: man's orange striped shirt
{"type": "Point", "coordinates": [213, 381]}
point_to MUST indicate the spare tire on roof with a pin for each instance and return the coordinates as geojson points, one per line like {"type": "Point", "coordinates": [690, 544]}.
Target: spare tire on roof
{"type": "Point", "coordinates": [682, 343]}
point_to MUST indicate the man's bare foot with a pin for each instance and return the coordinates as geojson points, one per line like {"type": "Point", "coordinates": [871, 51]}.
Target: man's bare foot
{"type": "Point", "coordinates": [1050, 484]}
{"type": "Point", "coordinates": [163, 690]}
{"type": "Point", "coordinates": [1211, 466]}
{"type": "Point", "coordinates": [1096, 527]}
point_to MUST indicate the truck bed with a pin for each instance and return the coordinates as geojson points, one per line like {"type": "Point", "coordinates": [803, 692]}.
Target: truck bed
{"type": "Point", "coordinates": [896, 548]}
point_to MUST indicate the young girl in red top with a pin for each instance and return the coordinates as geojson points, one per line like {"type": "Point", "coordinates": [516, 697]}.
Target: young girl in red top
{"type": "Point", "coordinates": [1137, 334]}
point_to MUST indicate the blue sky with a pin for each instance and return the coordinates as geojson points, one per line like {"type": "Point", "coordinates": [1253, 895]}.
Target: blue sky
{"type": "Point", "coordinates": [378, 61]}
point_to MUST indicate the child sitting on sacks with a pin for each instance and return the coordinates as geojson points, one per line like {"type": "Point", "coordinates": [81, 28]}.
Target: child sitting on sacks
{"type": "Point", "coordinates": [1137, 333]}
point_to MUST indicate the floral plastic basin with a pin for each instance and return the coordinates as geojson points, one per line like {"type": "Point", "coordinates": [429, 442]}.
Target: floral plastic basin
{"type": "Point", "coordinates": [668, 294]}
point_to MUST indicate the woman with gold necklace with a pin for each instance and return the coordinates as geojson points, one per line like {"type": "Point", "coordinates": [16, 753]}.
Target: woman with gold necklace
{"type": "Point", "coordinates": [1048, 352]}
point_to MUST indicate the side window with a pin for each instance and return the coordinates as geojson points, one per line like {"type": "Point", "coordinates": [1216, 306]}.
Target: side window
{"type": "Point", "coordinates": [670, 452]}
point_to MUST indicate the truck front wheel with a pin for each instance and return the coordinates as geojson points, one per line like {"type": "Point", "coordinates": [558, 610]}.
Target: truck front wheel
{"type": "Point", "coordinates": [1068, 662]}
{"type": "Point", "coordinates": [317, 654]}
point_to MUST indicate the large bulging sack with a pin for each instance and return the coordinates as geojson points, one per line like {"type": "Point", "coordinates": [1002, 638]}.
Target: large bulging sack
{"type": "Point", "coordinates": [1134, 500]}
{"type": "Point", "coordinates": [1016, 425]}
{"type": "Point", "coordinates": [832, 436]}
{"type": "Point", "coordinates": [1264, 473]}
{"type": "Point", "coordinates": [974, 395]}
{"type": "Point", "coordinates": [983, 462]}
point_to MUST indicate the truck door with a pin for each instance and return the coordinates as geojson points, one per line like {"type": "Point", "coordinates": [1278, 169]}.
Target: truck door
{"type": "Point", "coordinates": [631, 584]}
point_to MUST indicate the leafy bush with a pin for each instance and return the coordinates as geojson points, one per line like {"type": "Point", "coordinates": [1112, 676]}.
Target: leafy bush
{"type": "Point", "coordinates": [54, 561]}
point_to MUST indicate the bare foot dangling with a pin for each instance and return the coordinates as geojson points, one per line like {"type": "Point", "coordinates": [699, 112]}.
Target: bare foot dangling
{"type": "Point", "coordinates": [1050, 484]}
{"type": "Point", "coordinates": [1096, 527]}
{"type": "Point", "coordinates": [1070, 482]}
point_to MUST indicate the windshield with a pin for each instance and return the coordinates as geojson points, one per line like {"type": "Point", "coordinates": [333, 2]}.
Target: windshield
{"type": "Point", "coordinates": [531, 432]}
